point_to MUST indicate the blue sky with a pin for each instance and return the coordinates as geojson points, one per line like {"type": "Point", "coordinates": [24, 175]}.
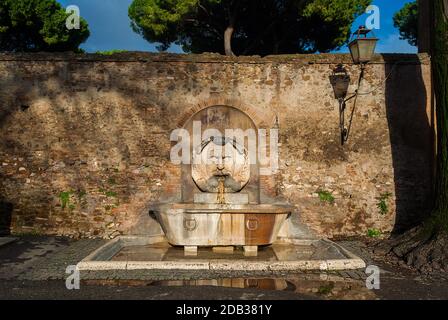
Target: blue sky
{"type": "Point", "coordinates": [110, 27]}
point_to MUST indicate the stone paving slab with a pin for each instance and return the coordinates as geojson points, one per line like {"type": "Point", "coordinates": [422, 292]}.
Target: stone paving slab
{"type": "Point", "coordinates": [43, 258]}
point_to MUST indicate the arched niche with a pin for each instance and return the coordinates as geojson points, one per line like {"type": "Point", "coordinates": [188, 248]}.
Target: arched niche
{"type": "Point", "coordinates": [221, 117]}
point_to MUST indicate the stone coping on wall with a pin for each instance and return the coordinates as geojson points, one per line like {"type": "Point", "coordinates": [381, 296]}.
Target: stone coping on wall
{"type": "Point", "coordinates": [134, 56]}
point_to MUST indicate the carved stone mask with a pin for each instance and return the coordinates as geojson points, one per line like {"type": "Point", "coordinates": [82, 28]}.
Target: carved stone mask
{"type": "Point", "coordinates": [220, 158]}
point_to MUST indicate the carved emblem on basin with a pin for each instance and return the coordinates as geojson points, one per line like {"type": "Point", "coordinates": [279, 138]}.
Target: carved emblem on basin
{"type": "Point", "coordinates": [190, 224]}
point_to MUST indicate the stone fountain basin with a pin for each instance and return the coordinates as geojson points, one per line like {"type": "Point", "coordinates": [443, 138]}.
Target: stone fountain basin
{"type": "Point", "coordinates": [209, 224]}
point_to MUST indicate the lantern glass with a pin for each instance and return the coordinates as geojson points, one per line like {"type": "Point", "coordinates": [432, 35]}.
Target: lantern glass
{"type": "Point", "coordinates": [362, 49]}
{"type": "Point", "coordinates": [341, 87]}
{"type": "Point", "coordinates": [340, 80]}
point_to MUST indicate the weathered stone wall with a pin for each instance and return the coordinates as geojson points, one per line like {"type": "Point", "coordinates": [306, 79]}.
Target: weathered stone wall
{"type": "Point", "coordinates": [85, 138]}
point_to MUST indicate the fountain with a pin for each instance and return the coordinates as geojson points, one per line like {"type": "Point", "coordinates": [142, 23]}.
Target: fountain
{"type": "Point", "coordinates": [221, 200]}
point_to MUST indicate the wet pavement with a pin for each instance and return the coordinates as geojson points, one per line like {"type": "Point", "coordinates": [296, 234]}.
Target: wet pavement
{"type": "Point", "coordinates": [34, 268]}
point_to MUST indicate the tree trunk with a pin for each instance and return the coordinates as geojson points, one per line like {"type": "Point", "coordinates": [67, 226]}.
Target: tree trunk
{"type": "Point", "coordinates": [426, 247]}
{"type": "Point", "coordinates": [440, 75]}
{"type": "Point", "coordinates": [228, 40]}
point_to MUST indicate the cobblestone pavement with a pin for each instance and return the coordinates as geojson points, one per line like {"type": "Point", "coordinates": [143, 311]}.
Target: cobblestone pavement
{"type": "Point", "coordinates": [43, 258]}
{"type": "Point", "coordinates": [34, 268]}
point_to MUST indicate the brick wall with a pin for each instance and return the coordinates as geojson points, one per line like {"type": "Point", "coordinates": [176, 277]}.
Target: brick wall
{"type": "Point", "coordinates": [85, 138]}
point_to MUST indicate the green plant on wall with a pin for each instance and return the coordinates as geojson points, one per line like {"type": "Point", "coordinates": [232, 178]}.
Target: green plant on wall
{"type": "Point", "coordinates": [325, 196]}
{"type": "Point", "coordinates": [326, 289]}
{"type": "Point", "coordinates": [64, 198]}
{"type": "Point", "coordinates": [373, 233]}
{"type": "Point", "coordinates": [110, 52]}
{"type": "Point", "coordinates": [382, 204]}
{"type": "Point", "coordinates": [108, 193]}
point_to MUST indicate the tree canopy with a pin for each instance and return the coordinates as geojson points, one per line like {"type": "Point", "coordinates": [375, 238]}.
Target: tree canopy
{"type": "Point", "coordinates": [38, 25]}
{"type": "Point", "coordinates": [406, 20]}
{"type": "Point", "coordinates": [246, 27]}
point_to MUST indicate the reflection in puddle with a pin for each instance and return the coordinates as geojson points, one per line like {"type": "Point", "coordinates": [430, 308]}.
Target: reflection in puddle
{"type": "Point", "coordinates": [262, 284]}
{"type": "Point", "coordinates": [162, 251]}
{"type": "Point", "coordinates": [323, 286]}
{"type": "Point", "coordinates": [240, 283]}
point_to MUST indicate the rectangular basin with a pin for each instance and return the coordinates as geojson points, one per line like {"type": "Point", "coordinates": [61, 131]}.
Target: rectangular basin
{"type": "Point", "coordinates": [193, 224]}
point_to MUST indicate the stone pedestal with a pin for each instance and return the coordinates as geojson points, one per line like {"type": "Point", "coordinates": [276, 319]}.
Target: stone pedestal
{"type": "Point", "coordinates": [250, 251]}
{"type": "Point", "coordinates": [190, 250]}
{"type": "Point", "coordinates": [227, 249]}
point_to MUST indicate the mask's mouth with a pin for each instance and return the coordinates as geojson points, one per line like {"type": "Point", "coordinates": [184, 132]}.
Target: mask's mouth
{"type": "Point", "coordinates": [221, 173]}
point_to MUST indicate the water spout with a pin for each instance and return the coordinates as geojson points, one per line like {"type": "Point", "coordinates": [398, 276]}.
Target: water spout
{"type": "Point", "coordinates": [221, 198]}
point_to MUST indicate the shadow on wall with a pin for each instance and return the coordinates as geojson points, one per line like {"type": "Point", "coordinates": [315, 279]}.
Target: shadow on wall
{"type": "Point", "coordinates": [22, 119]}
{"type": "Point", "coordinates": [411, 136]}
{"type": "Point", "coordinates": [5, 217]}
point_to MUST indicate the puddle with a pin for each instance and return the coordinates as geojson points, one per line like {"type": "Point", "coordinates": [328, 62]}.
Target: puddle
{"type": "Point", "coordinates": [132, 253]}
{"type": "Point", "coordinates": [320, 286]}
{"type": "Point", "coordinates": [239, 283]}
{"type": "Point", "coordinates": [277, 252]}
